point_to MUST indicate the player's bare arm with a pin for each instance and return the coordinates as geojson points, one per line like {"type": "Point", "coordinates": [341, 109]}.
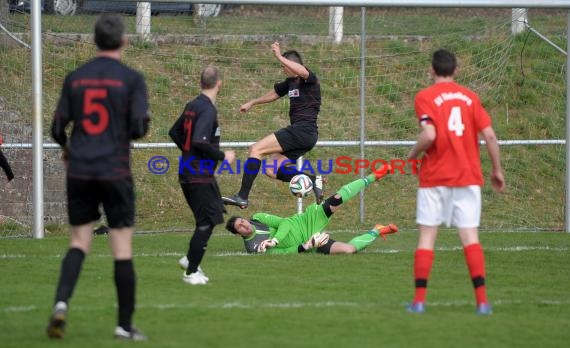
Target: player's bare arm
{"type": "Point", "coordinates": [229, 156]}
{"type": "Point", "coordinates": [266, 98]}
{"type": "Point", "coordinates": [497, 177]}
{"type": "Point", "coordinates": [424, 141]}
{"type": "Point", "coordinates": [294, 68]}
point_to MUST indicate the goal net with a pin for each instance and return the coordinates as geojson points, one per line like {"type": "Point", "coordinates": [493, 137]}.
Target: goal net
{"type": "Point", "coordinates": [521, 80]}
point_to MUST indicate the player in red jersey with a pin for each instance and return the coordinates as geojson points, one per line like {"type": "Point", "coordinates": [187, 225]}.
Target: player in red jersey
{"type": "Point", "coordinates": [451, 118]}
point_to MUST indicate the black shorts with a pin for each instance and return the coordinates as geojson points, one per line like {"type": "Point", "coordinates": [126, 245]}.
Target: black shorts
{"type": "Point", "coordinates": [205, 201]}
{"type": "Point", "coordinates": [296, 140]}
{"type": "Point", "coordinates": [117, 197]}
{"type": "Point", "coordinates": [326, 249]}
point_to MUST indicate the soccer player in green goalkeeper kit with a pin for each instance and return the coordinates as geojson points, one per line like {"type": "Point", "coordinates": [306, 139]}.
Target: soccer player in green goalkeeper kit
{"type": "Point", "coordinates": [303, 232]}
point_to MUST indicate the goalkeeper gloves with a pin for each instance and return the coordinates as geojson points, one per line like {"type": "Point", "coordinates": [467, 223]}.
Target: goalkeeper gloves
{"type": "Point", "coordinates": [268, 243]}
{"type": "Point", "coordinates": [317, 240]}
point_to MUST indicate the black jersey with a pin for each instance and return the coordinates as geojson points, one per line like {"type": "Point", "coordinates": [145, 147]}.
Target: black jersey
{"type": "Point", "coordinates": [260, 233]}
{"type": "Point", "coordinates": [197, 133]}
{"type": "Point", "coordinates": [6, 166]}
{"type": "Point", "coordinates": [304, 98]}
{"type": "Point", "coordinates": [107, 103]}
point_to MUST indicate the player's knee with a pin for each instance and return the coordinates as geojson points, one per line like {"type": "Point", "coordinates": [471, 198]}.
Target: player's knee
{"type": "Point", "coordinates": [204, 230]}
{"type": "Point", "coordinates": [255, 150]}
{"type": "Point", "coordinates": [345, 248]}
{"type": "Point", "coordinates": [270, 172]}
{"type": "Point", "coordinates": [333, 203]}
{"type": "Point", "coordinates": [341, 248]}
{"type": "Point", "coordinates": [84, 246]}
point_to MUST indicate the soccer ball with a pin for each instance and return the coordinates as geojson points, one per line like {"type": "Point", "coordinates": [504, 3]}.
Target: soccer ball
{"type": "Point", "coordinates": [301, 185]}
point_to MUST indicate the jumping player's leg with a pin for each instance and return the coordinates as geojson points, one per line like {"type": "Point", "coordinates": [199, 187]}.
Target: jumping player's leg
{"type": "Point", "coordinates": [287, 169]}
{"type": "Point", "coordinates": [266, 146]}
{"type": "Point", "coordinates": [296, 141]}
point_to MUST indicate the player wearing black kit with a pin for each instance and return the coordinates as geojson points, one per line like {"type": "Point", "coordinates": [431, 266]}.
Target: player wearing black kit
{"type": "Point", "coordinates": [107, 104]}
{"type": "Point", "coordinates": [287, 144]}
{"type": "Point", "coordinates": [197, 134]}
{"type": "Point", "coordinates": [5, 165]}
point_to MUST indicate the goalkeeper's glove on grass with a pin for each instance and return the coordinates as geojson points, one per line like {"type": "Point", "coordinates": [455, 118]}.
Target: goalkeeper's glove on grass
{"type": "Point", "coordinates": [266, 244]}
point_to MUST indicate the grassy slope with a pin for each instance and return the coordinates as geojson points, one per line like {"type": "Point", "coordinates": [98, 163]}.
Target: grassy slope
{"type": "Point", "coordinates": [527, 104]}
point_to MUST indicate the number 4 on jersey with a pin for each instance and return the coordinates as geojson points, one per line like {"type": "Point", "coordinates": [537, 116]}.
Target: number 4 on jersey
{"type": "Point", "coordinates": [455, 123]}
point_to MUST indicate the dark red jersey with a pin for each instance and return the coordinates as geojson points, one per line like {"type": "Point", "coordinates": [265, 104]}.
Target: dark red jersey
{"type": "Point", "coordinates": [197, 134]}
{"type": "Point", "coordinates": [107, 104]}
{"type": "Point", "coordinates": [304, 98]}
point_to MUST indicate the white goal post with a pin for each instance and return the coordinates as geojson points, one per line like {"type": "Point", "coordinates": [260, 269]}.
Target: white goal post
{"type": "Point", "coordinates": [36, 52]}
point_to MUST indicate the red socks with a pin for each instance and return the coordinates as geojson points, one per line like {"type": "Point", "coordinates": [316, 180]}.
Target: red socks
{"type": "Point", "coordinates": [476, 264]}
{"type": "Point", "coordinates": [423, 260]}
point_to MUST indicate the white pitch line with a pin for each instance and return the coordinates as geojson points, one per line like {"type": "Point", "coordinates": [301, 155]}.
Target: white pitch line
{"type": "Point", "coordinates": [459, 248]}
{"type": "Point", "coordinates": [12, 256]}
{"type": "Point", "coordinates": [19, 309]}
{"type": "Point", "coordinates": [288, 305]}
{"type": "Point", "coordinates": [519, 248]}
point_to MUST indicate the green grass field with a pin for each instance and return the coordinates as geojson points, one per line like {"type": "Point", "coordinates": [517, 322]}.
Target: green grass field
{"type": "Point", "coordinates": [296, 300]}
{"type": "Point", "coordinates": [315, 300]}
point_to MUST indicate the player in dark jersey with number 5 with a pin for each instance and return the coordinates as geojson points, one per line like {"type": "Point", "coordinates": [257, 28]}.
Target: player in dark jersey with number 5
{"type": "Point", "coordinates": [107, 103]}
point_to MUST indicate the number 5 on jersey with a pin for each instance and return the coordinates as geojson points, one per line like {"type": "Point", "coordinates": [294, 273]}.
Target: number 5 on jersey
{"type": "Point", "coordinates": [92, 106]}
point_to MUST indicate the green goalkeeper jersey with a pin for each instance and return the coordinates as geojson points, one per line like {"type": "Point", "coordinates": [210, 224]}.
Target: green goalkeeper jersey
{"type": "Point", "coordinates": [290, 232]}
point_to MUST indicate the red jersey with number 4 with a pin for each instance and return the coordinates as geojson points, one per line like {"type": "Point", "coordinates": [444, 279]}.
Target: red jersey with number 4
{"type": "Point", "coordinates": [458, 117]}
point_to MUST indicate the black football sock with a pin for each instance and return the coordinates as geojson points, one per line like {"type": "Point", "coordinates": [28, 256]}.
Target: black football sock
{"type": "Point", "coordinates": [125, 282]}
{"type": "Point", "coordinates": [198, 245]}
{"type": "Point", "coordinates": [70, 269]}
{"type": "Point", "coordinates": [6, 166]}
{"type": "Point", "coordinates": [251, 170]}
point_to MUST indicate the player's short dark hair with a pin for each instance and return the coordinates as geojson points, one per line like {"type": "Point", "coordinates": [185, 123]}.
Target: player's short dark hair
{"type": "Point", "coordinates": [209, 77]}
{"type": "Point", "coordinates": [294, 56]}
{"type": "Point", "coordinates": [109, 30]}
{"type": "Point", "coordinates": [443, 62]}
{"type": "Point", "coordinates": [230, 225]}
